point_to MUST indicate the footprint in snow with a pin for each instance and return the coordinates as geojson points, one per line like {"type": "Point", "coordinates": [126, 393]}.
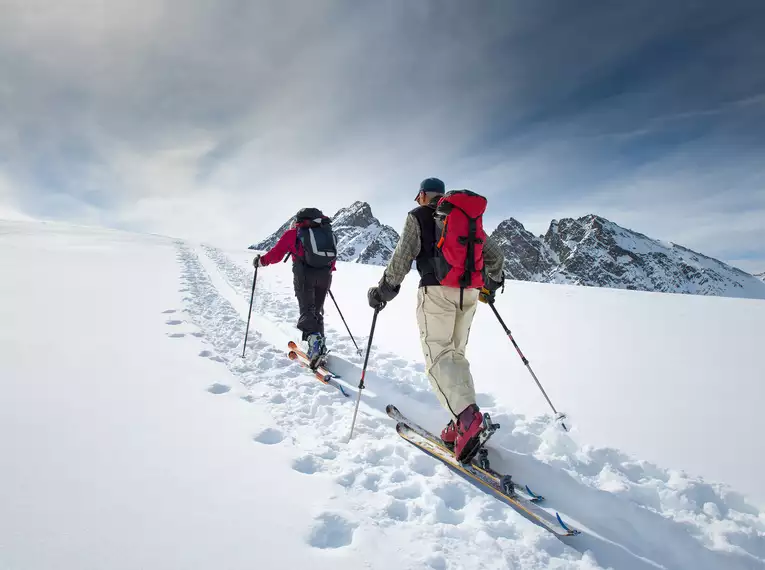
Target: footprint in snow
{"type": "Point", "coordinates": [446, 515]}
{"type": "Point", "coordinates": [168, 312]}
{"type": "Point", "coordinates": [269, 436]}
{"type": "Point", "coordinates": [423, 464]}
{"type": "Point", "coordinates": [398, 476]}
{"type": "Point", "coordinates": [437, 562]}
{"type": "Point", "coordinates": [331, 531]}
{"type": "Point", "coordinates": [411, 491]}
{"type": "Point", "coordinates": [307, 464]}
{"type": "Point", "coordinates": [453, 496]}
{"type": "Point", "coordinates": [398, 511]}
{"type": "Point", "coordinates": [211, 356]}
{"type": "Point", "coordinates": [371, 481]}
{"type": "Point", "coordinates": [176, 335]}
{"type": "Point", "coordinates": [328, 454]}
{"type": "Point", "coordinates": [173, 322]}
{"type": "Point", "coordinates": [218, 388]}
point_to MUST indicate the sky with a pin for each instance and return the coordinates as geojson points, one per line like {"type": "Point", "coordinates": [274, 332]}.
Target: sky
{"type": "Point", "coordinates": [216, 121]}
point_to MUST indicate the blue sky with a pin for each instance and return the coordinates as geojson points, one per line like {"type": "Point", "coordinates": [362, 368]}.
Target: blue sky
{"type": "Point", "coordinates": [217, 120]}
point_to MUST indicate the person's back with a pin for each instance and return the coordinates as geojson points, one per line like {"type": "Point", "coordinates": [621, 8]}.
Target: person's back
{"type": "Point", "coordinates": [452, 271]}
{"type": "Point", "coordinates": [311, 243]}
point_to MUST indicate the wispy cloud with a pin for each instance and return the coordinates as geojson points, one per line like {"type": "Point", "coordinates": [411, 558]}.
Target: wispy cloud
{"type": "Point", "coordinates": [201, 119]}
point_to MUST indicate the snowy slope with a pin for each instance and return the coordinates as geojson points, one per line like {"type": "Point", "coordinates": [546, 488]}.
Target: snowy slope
{"type": "Point", "coordinates": [138, 437]}
{"type": "Point", "coordinates": [596, 252]}
{"type": "Point", "coordinates": [760, 276]}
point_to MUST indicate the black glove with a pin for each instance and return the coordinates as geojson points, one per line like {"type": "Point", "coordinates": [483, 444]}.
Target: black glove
{"type": "Point", "coordinates": [256, 261]}
{"type": "Point", "coordinates": [489, 290]}
{"type": "Point", "coordinates": [380, 295]}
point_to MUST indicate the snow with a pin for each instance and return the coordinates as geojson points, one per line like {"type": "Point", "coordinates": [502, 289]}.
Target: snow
{"type": "Point", "coordinates": [135, 435]}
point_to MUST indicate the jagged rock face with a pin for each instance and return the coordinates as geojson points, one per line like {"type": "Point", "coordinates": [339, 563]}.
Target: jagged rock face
{"type": "Point", "coordinates": [358, 214]}
{"type": "Point", "coordinates": [526, 256]}
{"type": "Point", "coordinates": [596, 252]}
{"type": "Point", "coordinates": [361, 238]}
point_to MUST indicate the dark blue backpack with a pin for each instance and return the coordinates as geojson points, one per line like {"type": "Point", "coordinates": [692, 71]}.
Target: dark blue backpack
{"type": "Point", "coordinates": [314, 232]}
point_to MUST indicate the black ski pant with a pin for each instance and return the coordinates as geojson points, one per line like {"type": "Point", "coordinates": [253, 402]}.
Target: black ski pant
{"type": "Point", "coordinates": [311, 286]}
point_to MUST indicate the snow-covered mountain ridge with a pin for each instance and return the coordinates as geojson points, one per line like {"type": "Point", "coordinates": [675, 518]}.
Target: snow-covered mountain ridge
{"type": "Point", "coordinates": [594, 251]}
{"type": "Point", "coordinates": [590, 250]}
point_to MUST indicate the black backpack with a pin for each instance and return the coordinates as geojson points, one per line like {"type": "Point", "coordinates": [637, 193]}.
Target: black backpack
{"type": "Point", "coordinates": [314, 232]}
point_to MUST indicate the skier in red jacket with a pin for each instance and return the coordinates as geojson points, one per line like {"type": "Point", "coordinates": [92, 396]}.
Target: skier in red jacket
{"type": "Point", "coordinates": [313, 248]}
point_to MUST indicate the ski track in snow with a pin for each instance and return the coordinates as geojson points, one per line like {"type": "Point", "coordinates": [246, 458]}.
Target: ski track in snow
{"type": "Point", "coordinates": [634, 514]}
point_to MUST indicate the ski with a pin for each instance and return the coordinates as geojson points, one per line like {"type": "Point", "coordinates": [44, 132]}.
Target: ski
{"type": "Point", "coordinates": [527, 508]}
{"type": "Point", "coordinates": [321, 374]}
{"type": "Point", "coordinates": [501, 485]}
{"type": "Point", "coordinates": [292, 345]}
{"type": "Point", "coordinates": [479, 462]}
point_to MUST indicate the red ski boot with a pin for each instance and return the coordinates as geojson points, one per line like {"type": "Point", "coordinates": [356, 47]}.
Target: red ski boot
{"type": "Point", "coordinates": [469, 430]}
{"type": "Point", "coordinates": [449, 435]}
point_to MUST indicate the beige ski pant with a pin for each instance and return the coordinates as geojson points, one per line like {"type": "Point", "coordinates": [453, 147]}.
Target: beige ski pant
{"type": "Point", "coordinates": [444, 332]}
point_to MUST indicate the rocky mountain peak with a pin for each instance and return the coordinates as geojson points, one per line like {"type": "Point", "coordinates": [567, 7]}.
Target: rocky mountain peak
{"type": "Point", "coordinates": [526, 256]}
{"type": "Point", "coordinates": [510, 226]}
{"type": "Point", "coordinates": [358, 214]}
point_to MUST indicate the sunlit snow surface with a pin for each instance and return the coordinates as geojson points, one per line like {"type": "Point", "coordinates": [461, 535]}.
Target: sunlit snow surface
{"type": "Point", "coordinates": [133, 434]}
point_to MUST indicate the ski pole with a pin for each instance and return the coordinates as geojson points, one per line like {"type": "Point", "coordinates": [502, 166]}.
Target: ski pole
{"type": "Point", "coordinates": [358, 350]}
{"type": "Point", "coordinates": [559, 417]}
{"type": "Point", "coordinates": [364, 369]}
{"type": "Point", "coordinates": [249, 315]}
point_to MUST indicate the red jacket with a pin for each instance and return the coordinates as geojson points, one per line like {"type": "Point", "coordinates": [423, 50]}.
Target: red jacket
{"type": "Point", "coordinates": [288, 243]}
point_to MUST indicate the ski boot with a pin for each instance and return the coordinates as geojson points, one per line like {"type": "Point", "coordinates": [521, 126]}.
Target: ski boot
{"type": "Point", "coordinates": [473, 430]}
{"type": "Point", "coordinates": [449, 435]}
{"type": "Point", "coordinates": [317, 350]}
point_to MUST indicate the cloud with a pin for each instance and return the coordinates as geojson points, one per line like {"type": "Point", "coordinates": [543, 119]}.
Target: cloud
{"type": "Point", "coordinates": [215, 121]}
{"type": "Point", "coordinates": [8, 208]}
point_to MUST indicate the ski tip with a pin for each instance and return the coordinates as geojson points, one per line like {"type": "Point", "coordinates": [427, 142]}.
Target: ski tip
{"type": "Point", "coordinates": [534, 497]}
{"type": "Point", "coordinates": [293, 355]}
{"type": "Point", "coordinates": [569, 531]}
{"type": "Point", "coordinates": [390, 409]}
{"type": "Point", "coordinates": [292, 344]}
